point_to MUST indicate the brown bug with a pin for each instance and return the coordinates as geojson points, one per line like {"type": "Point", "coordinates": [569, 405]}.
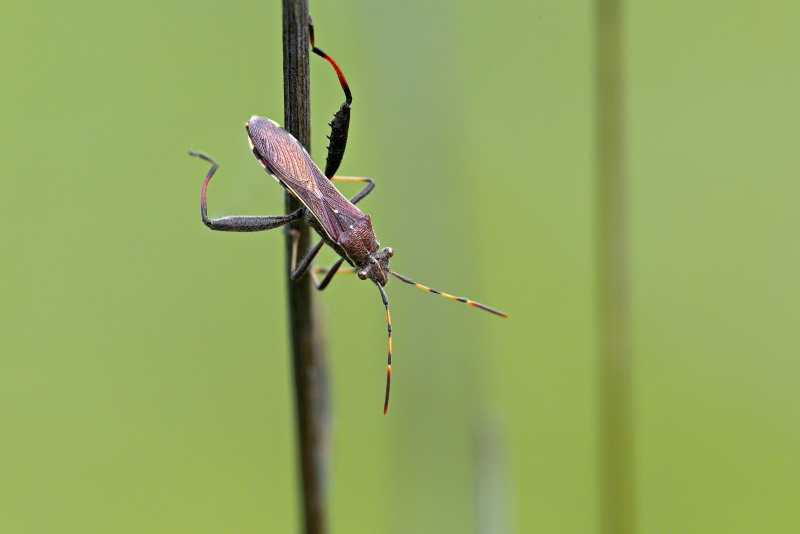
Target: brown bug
{"type": "Point", "coordinates": [342, 226]}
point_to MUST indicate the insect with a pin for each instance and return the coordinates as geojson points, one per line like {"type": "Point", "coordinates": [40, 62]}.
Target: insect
{"type": "Point", "coordinates": [340, 224]}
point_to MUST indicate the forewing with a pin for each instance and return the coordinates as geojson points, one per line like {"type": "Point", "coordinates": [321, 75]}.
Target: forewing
{"type": "Point", "coordinates": [340, 209]}
{"type": "Point", "coordinates": [284, 156]}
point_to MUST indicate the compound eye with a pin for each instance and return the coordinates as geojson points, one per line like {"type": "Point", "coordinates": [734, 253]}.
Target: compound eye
{"type": "Point", "coordinates": [362, 275]}
{"type": "Point", "coordinates": [389, 251]}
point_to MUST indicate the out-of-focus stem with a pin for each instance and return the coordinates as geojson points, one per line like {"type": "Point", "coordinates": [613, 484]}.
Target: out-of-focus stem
{"type": "Point", "coordinates": [615, 389]}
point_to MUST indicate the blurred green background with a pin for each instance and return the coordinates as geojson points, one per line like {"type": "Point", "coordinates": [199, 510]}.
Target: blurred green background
{"type": "Point", "coordinates": [144, 380]}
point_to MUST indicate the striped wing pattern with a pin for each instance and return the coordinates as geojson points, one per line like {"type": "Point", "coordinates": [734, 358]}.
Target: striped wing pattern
{"type": "Point", "coordinates": [286, 159]}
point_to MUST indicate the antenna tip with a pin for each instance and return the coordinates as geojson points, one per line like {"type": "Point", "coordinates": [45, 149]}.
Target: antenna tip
{"type": "Point", "coordinates": [388, 385]}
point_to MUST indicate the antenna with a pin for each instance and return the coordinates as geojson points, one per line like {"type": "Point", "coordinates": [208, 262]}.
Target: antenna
{"type": "Point", "coordinates": [451, 297]}
{"type": "Point", "coordinates": [389, 357]}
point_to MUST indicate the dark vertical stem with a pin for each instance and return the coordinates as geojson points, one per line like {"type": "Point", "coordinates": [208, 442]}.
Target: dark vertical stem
{"type": "Point", "coordinates": [616, 425]}
{"type": "Point", "coordinates": [307, 348]}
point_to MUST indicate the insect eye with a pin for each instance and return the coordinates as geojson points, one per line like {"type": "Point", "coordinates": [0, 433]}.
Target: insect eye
{"type": "Point", "coordinates": [362, 275]}
{"type": "Point", "coordinates": [389, 252]}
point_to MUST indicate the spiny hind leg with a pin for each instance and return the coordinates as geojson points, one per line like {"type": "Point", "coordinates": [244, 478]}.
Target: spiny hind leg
{"type": "Point", "coordinates": [340, 125]}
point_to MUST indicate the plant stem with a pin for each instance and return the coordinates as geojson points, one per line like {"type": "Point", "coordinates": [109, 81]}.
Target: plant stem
{"type": "Point", "coordinates": [308, 359]}
{"type": "Point", "coordinates": [616, 398]}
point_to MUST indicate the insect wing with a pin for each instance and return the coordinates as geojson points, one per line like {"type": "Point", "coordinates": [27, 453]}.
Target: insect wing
{"type": "Point", "coordinates": [283, 156]}
{"type": "Point", "coordinates": [342, 210]}
{"type": "Point", "coordinates": [286, 159]}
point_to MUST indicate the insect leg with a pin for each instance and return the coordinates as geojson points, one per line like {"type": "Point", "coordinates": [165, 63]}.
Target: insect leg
{"type": "Point", "coordinates": [300, 270]}
{"type": "Point", "coordinates": [361, 194]}
{"type": "Point", "coordinates": [340, 125]}
{"type": "Point", "coordinates": [239, 223]}
{"type": "Point", "coordinates": [329, 272]}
